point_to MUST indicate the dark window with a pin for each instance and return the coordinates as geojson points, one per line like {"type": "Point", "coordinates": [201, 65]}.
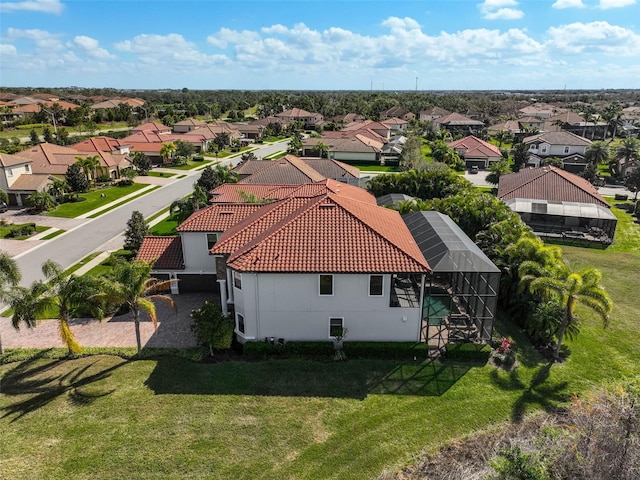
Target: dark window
{"type": "Point", "coordinates": [375, 285]}
{"type": "Point", "coordinates": [237, 280]}
{"type": "Point", "coordinates": [212, 238]}
{"type": "Point", "coordinates": [326, 284]}
{"type": "Point", "coordinates": [336, 327]}
{"type": "Point", "coordinates": [240, 323]}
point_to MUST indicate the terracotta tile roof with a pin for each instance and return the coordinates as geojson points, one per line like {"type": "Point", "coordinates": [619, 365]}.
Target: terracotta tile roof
{"type": "Point", "coordinates": [152, 127]}
{"type": "Point", "coordinates": [569, 117]}
{"type": "Point", "coordinates": [29, 108]}
{"type": "Point", "coordinates": [327, 233]}
{"type": "Point", "coordinates": [191, 122]}
{"type": "Point", "coordinates": [64, 105]}
{"type": "Point", "coordinates": [288, 170]}
{"type": "Point", "coordinates": [394, 121]}
{"type": "Point", "coordinates": [475, 147]}
{"type": "Point", "coordinates": [548, 183]}
{"type": "Point", "coordinates": [55, 159]}
{"type": "Point", "coordinates": [296, 113]}
{"type": "Point", "coordinates": [148, 136]}
{"type": "Point", "coordinates": [98, 144]}
{"type": "Point", "coordinates": [229, 192]}
{"type": "Point", "coordinates": [218, 217]}
{"type": "Point", "coordinates": [435, 111]}
{"type": "Point", "coordinates": [165, 251]}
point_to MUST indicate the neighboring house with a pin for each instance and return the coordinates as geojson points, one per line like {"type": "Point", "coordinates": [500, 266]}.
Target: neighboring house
{"type": "Point", "coordinates": [51, 159]}
{"type": "Point", "coordinates": [396, 125]}
{"type": "Point", "coordinates": [293, 170]}
{"type": "Point", "coordinates": [187, 125]}
{"type": "Point", "coordinates": [558, 204]}
{"type": "Point", "coordinates": [432, 114]}
{"type": "Point", "coordinates": [631, 119]}
{"type": "Point", "coordinates": [152, 127]}
{"type": "Point", "coordinates": [103, 144]}
{"type": "Point", "coordinates": [308, 119]}
{"type": "Point", "coordinates": [352, 147]}
{"type": "Point", "coordinates": [574, 123]}
{"type": "Point", "coordinates": [565, 145]}
{"type": "Point", "coordinates": [107, 104]}
{"type": "Point", "coordinates": [458, 124]}
{"type": "Point", "coordinates": [397, 112]}
{"type": "Point", "coordinates": [476, 152]}
{"type": "Point", "coordinates": [18, 180]}
{"type": "Point", "coordinates": [538, 110]}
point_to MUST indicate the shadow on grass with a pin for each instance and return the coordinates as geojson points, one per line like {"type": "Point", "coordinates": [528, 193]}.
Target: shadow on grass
{"type": "Point", "coordinates": [540, 391]}
{"type": "Point", "coordinates": [42, 384]}
{"type": "Point", "coordinates": [299, 377]}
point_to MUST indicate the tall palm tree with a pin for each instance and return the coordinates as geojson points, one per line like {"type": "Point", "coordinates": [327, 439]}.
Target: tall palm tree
{"type": "Point", "coordinates": [167, 150]}
{"type": "Point", "coordinates": [67, 296]}
{"type": "Point", "coordinates": [131, 284]}
{"type": "Point", "coordinates": [628, 150]}
{"type": "Point", "coordinates": [89, 166]}
{"type": "Point", "coordinates": [59, 189]}
{"type": "Point", "coordinates": [9, 276]}
{"type": "Point", "coordinates": [597, 153]}
{"type": "Point", "coordinates": [558, 283]}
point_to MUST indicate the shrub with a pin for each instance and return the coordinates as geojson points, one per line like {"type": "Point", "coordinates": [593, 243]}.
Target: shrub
{"type": "Point", "coordinates": [211, 327]}
{"type": "Point", "coordinates": [198, 158]}
{"type": "Point", "coordinates": [21, 230]}
{"type": "Point", "coordinates": [125, 182]}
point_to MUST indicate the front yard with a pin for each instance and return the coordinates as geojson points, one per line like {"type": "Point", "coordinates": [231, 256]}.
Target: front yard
{"type": "Point", "coordinates": [94, 199]}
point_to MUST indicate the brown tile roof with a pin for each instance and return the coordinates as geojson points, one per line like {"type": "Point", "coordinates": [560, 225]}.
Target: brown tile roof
{"type": "Point", "coordinates": [558, 138]}
{"type": "Point", "coordinates": [30, 182]}
{"type": "Point", "coordinates": [190, 122]}
{"type": "Point", "coordinates": [288, 170]}
{"type": "Point", "coordinates": [8, 160]}
{"type": "Point", "coordinates": [296, 113]}
{"type": "Point", "coordinates": [475, 147]}
{"type": "Point", "coordinates": [435, 111]}
{"type": "Point", "coordinates": [548, 183]}
{"type": "Point", "coordinates": [152, 127]}
{"type": "Point", "coordinates": [148, 136]}
{"type": "Point", "coordinates": [326, 233]}
{"type": "Point", "coordinates": [55, 159]}
{"type": "Point", "coordinates": [64, 105]}
{"type": "Point", "coordinates": [29, 108]}
{"type": "Point", "coordinates": [454, 119]}
{"type": "Point", "coordinates": [230, 192]}
{"type": "Point", "coordinates": [218, 217]}
{"type": "Point", "coordinates": [165, 251]}
{"type": "Point", "coordinates": [331, 168]}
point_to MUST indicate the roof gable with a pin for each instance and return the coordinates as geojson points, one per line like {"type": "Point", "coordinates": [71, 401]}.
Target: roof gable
{"type": "Point", "coordinates": [164, 252]}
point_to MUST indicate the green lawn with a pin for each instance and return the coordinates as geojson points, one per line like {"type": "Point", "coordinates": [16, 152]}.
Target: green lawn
{"type": "Point", "coordinates": [102, 212]}
{"type": "Point", "coordinates": [189, 166]}
{"type": "Point", "coordinates": [105, 417]}
{"type": "Point", "coordinates": [5, 229]}
{"type": "Point", "coordinates": [53, 234]}
{"type": "Point", "coordinates": [93, 200]}
{"type": "Point", "coordinates": [379, 168]}
{"type": "Point", "coordinates": [165, 227]}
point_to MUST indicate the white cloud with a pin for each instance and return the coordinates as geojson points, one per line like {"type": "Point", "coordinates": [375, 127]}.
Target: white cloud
{"type": "Point", "coordinates": [560, 4]}
{"type": "Point", "coordinates": [605, 4]}
{"type": "Point", "coordinates": [91, 47]}
{"type": "Point", "coordinates": [43, 40]}
{"type": "Point", "coordinates": [44, 6]}
{"type": "Point", "coordinates": [594, 37]}
{"type": "Point", "coordinates": [226, 36]}
{"type": "Point", "coordinates": [7, 50]}
{"type": "Point", "coordinates": [500, 10]}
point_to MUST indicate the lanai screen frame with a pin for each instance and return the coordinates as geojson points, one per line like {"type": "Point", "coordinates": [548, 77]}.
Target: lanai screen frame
{"type": "Point", "coordinates": [464, 282]}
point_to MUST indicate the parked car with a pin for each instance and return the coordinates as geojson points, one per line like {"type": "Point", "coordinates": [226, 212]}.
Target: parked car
{"type": "Point", "coordinates": [3, 207]}
{"type": "Point", "coordinates": [473, 169]}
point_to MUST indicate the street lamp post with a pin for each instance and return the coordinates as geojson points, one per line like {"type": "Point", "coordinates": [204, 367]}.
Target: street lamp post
{"type": "Point", "coordinates": [53, 117]}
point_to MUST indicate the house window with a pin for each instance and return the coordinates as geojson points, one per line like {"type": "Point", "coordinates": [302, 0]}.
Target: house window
{"type": "Point", "coordinates": [9, 172]}
{"type": "Point", "coordinates": [326, 284]}
{"type": "Point", "coordinates": [237, 280]}
{"type": "Point", "coordinates": [566, 149]}
{"type": "Point", "coordinates": [544, 149]}
{"type": "Point", "coordinates": [26, 168]}
{"type": "Point", "coordinates": [375, 285]}
{"type": "Point", "coordinates": [336, 327]}
{"type": "Point", "coordinates": [212, 238]}
{"type": "Point", "coordinates": [240, 323]}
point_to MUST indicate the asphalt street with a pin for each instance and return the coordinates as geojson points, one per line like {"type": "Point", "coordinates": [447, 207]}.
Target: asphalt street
{"type": "Point", "coordinates": [84, 239]}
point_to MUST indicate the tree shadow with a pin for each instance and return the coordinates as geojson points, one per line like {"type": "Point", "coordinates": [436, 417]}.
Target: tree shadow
{"type": "Point", "coordinates": [40, 382]}
{"type": "Point", "coordinates": [540, 391]}
{"type": "Point", "coordinates": [301, 377]}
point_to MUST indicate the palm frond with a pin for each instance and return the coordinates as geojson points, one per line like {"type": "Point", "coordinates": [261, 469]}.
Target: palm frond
{"type": "Point", "coordinates": [149, 307]}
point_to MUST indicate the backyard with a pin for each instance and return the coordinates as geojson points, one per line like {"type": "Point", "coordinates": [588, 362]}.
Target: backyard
{"type": "Point", "coordinates": [168, 417]}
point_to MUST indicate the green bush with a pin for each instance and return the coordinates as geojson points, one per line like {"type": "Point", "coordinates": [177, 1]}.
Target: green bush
{"type": "Point", "coordinates": [11, 355]}
{"type": "Point", "coordinates": [198, 158]}
{"type": "Point", "coordinates": [262, 350]}
{"type": "Point", "coordinates": [21, 230]}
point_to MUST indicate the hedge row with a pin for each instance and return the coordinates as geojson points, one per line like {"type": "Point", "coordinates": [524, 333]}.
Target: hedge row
{"type": "Point", "coordinates": [366, 350]}
{"type": "Point", "coordinates": [21, 230]}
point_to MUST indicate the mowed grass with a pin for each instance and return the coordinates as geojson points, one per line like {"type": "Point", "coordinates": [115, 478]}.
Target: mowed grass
{"type": "Point", "coordinates": [104, 417]}
{"type": "Point", "coordinates": [93, 200]}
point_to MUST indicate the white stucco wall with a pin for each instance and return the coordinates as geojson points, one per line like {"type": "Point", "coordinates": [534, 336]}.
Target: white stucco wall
{"type": "Point", "coordinates": [16, 171]}
{"type": "Point", "coordinates": [289, 306]}
{"type": "Point", "coordinates": [547, 150]}
{"type": "Point", "coordinates": [196, 255]}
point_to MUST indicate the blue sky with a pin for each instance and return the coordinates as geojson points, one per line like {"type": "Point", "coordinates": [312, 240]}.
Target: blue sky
{"type": "Point", "coordinates": [327, 45]}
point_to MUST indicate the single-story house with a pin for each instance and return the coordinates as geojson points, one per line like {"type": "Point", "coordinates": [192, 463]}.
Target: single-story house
{"type": "Point", "coordinates": [456, 123]}
{"type": "Point", "coordinates": [476, 152]}
{"type": "Point", "coordinates": [558, 204]}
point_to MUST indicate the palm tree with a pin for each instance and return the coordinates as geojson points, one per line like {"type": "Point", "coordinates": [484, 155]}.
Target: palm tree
{"type": "Point", "coordinates": [597, 153]}
{"type": "Point", "coordinates": [89, 166]}
{"type": "Point", "coordinates": [131, 284]}
{"type": "Point", "coordinates": [9, 276]}
{"type": "Point", "coordinates": [40, 201]}
{"type": "Point", "coordinates": [166, 151]}
{"type": "Point", "coordinates": [627, 151]}
{"type": "Point", "coordinates": [558, 283]}
{"type": "Point", "coordinates": [67, 295]}
{"type": "Point", "coordinates": [612, 114]}
{"type": "Point", "coordinates": [59, 189]}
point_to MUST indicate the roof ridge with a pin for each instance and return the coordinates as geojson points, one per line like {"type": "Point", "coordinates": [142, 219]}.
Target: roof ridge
{"type": "Point", "coordinates": [368, 225]}
{"type": "Point", "coordinates": [517, 187]}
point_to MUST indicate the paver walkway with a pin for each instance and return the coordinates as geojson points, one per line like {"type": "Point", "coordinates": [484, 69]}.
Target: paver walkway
{"type": "Point", "coordinates": [174, 329]}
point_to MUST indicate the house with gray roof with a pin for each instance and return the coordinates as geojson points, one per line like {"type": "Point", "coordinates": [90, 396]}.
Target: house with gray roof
{"type": "Point", "coordinates": [564, 145]}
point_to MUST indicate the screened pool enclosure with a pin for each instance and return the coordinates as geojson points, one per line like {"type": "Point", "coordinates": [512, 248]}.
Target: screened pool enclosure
{"type": "Point", "coordinates": [460, 296]}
